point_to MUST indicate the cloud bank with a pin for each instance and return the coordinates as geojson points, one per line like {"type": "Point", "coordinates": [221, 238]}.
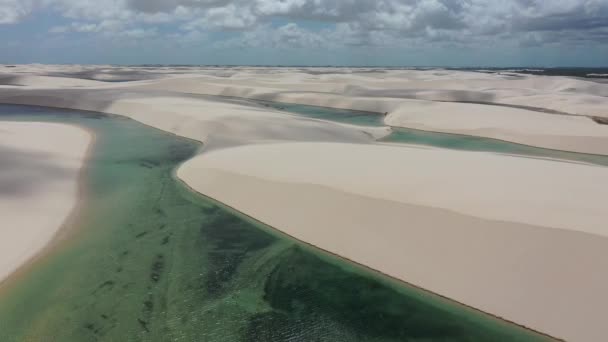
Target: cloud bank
{"type": "Point", "coordinates": [330, 23]}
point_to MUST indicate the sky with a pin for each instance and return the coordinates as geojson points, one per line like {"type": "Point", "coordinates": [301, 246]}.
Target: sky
{"type": "Point", "coordinates": [458, 33]}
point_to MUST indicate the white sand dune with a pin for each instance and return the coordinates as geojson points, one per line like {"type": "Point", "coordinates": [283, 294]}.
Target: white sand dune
{"type": "Point", "coordinates": [559, 132]}
{"type": "Point", "coordinates": [494, 232]}
{"type": "Point", "coordinates": [425, 100]}
{"type": "Point", "coordinates": [39, 170]}
{"type": "Point", "coordinates": [517, 237]}
{"type": "Point", "coordinates": [216, 123]}
{"type": "Point", "coordinates": [573, 96]}
{"type": "Point", "coordinates": [510, 189]}
{"type": "Point", "coordinates": [429, 100]}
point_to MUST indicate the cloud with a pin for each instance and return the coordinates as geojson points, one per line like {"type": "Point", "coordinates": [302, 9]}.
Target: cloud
{"type": "Point", "coordinates": [286, 36]}
{"type": "Point", "coordinates": [228, 17]}
{"type": "Point", "coordinates": [350, 22]}
{"type": "Point", "coordinates": [12, 11]}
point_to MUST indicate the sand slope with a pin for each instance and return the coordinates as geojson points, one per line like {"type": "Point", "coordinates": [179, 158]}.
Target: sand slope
{"type": "Point", "coordinates": [524, 239]}
{"type": "Point", "coordinates": [39, 169]}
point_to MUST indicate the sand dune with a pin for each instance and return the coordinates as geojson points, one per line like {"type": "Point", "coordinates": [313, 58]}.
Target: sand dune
{"type": "Point", "coordinates": [517, 237]}
{"type": "Point", "coordinates": [573, 96]}
{"type": "Point", "coordinates": [511, 189]}
{"type": "Point", "coordinates": [490, 231]}
{"type": "Point", "coordinates": [560, 132]}
{"type": "Point", "coordinates": [216, 123]}
{"type": "Point", "coordinates": [39, 170]}
{"type": "Point", "coordinates": [430, 100]}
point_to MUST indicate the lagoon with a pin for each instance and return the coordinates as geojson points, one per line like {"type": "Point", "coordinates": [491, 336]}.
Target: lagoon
{"type": "Point", "coordinates": [149, 260]}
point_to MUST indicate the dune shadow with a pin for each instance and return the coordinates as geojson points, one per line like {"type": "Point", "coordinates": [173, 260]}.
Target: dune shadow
{"type": "Point", "coordinates": [22, 172]}
{"type": "Point", "coordinates": [69, 100]}
{"type": "Point", "coordinates": [10, 80]}
{"type": "Point", "coordinates": [105, 75]}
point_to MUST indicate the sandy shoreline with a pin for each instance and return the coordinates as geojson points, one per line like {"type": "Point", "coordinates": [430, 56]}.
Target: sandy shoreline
{"type": "Point", "coordinates": [43, 165]}
{"type": "Point", "coordinates": [384, 277]}
{"type": "Point", "coordinates": [484, 229]}
{"type": "Point", "coordinates": [427, 217]}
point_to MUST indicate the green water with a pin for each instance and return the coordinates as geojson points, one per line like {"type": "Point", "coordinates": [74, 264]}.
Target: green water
{"type": "Point", "coordinates": [149, 260]}
{"type": "Point", "coordinates": [471, 143]}
{"type": "Point", "coordinates": [443, 140]}
{"type": "Point", "coordinates": [353, 117]}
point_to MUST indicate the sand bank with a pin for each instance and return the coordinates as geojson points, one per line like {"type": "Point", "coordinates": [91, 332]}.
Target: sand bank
{"type": "Point", "coordinates": [510, 236]}
{"type": "Point", "coordinates": [40, 165]}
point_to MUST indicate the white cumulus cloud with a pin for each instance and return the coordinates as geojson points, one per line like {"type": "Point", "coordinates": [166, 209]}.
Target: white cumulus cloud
{"type": "Point", "coordinates": [351, 22]}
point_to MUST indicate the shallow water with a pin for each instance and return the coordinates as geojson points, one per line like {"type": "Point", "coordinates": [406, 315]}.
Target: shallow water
{"type": "Point", "coordinates": [471, 143]}
{"type": "Point", "coordinates": [352, 117]}
{"type": "Point", "coordinates": [443, 140]}
{"type": "Point", "coordinates": [148, 260]}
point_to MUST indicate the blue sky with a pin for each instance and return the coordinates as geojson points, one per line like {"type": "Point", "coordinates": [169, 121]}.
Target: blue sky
{"type": "Point", "coordinates": [306, 32]}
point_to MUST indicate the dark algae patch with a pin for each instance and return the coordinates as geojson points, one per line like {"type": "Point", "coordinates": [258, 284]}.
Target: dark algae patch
{"type": "Point", "coordinates": [149, 260]}
{"type": "Point", "coordinates": [297, 290]}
